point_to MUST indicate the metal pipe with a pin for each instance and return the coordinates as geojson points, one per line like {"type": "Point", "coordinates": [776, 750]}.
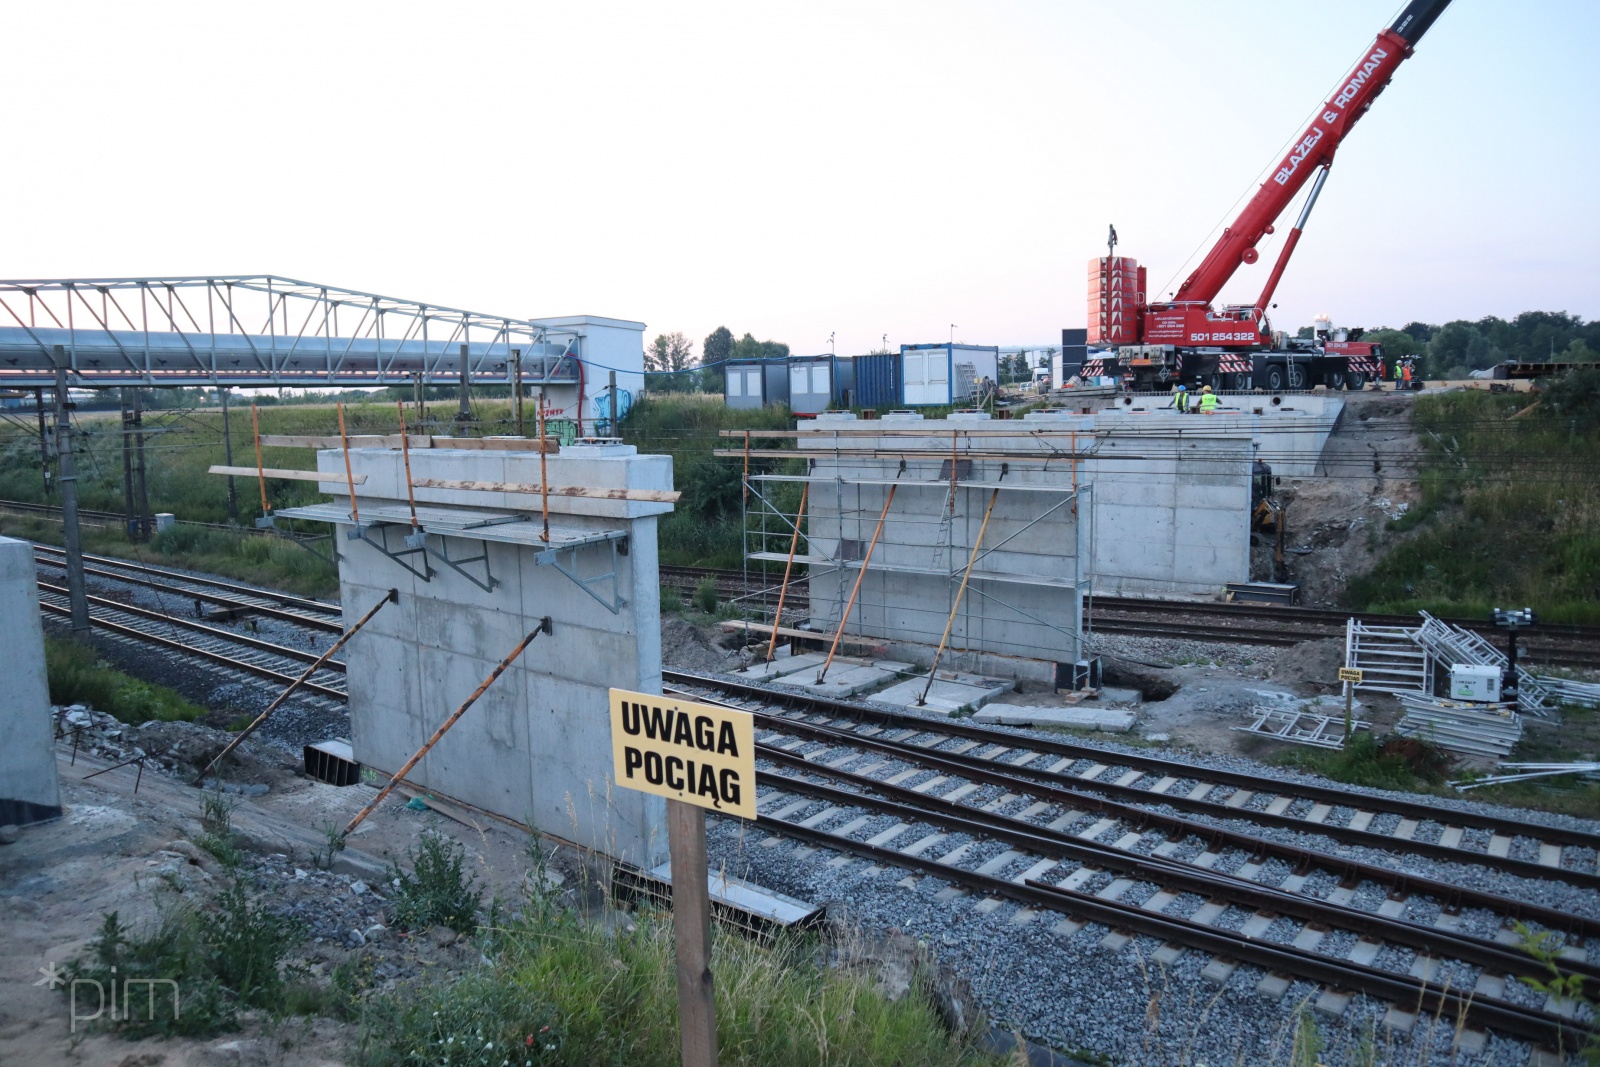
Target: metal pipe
{"type": "Point", "coordinates": [544, 627]}
{"type": "Point", "coordinates": [845, 618]}
{"type": "Point", "coordinates": [405, 453]}
{"type": "Point", "coordinates": [965, 577]}
{"type": "Point", "coordinates": [391, 597]}
{"type": "Point", "coordinates": [611, 393]}
{"type": "Point", "coordinates": [777, 620]}
{"type": "Point", "coordinates": [544, 477]}
{"type": "Point", "coordinates": [349, 478]}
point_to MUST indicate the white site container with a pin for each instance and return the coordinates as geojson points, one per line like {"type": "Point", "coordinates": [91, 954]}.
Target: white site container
{"type": "Point", "coordinates": [1469, 681]}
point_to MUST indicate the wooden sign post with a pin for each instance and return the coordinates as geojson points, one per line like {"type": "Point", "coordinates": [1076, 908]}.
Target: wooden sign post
{"type": "Point", "coordinates": [1351, 677]}
{"type": "Point", "coordinates": [697, 756]}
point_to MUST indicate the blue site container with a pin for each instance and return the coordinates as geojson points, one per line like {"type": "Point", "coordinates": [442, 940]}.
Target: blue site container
{"type": "Point", "coordinates": [877, 381]}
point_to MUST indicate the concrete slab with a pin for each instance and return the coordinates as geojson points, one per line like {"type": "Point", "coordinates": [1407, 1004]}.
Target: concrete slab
{"type": "Point", "coordinates": [1109, 695]}
{"type": "Point", "coordinates": [949, 698]}
{"type": "Point", "coordinates": [1081, 716]}
{"type": "Point", "coordinates": [839, 684]}
{"type": "Point", "coordinates": [780, 666]}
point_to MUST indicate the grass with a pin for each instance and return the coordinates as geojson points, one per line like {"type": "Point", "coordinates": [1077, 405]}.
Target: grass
{"type": "Point", "coordinates": [1401, 763]}
{"type": "Point", "coordinates": [1509, 516]}
{"type": "Point", "coordinates": [79, 676]}
{"type": "Point", "coordinates": [564, 991]}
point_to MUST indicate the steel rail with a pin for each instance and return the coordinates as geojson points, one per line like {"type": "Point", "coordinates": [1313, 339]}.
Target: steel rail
{"type": "Point", "coordinates": [312, 622]}
{"type": "Point", "coordinates": [1237, 779]}
{"type": "Point", "coordinates": [190, 650]}
{"type": "Point", "coordinates": [1527, 1023]}
{"type": "Point", "coordinates": [199, 627]}
{"type": "Point", "coordinates": [1141, 817]}
{"type": "Point", "coordinates": [907, 804]}
{"type": "Point", "coordinates": [321, 607]}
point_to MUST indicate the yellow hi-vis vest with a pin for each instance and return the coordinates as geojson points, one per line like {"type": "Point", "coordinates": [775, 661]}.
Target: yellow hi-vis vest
{"type": "Point", "coordinates": [1208, 403]}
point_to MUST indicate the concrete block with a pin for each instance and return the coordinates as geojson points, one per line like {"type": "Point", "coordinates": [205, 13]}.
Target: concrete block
{"type": "Point", "coordinates": [780, 665]}
{"type": "Point", "coordinates": [29, 791]}
{"type": "Point", "coordinates": [839, 684]}
{"type": "Point", "coordinates": [948, 697]}
{"type": "Point", "coordinates": [1081, 716]}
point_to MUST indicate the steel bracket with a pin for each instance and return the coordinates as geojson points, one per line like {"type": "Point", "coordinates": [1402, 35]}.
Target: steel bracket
{"type": "Point", "coordinates": [565, 560]}
{"type": "Point", "coordinates": [442, 554]}
{"type": "Point", "coordinates": [381, 543]}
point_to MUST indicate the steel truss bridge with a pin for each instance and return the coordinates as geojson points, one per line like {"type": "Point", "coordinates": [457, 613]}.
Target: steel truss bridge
{"type": "Point", "coordinates": [262, 330]}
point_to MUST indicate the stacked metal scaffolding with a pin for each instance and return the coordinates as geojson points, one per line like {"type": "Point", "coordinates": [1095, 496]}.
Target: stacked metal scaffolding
{"type": "Point", "coordinates": [958, 534]}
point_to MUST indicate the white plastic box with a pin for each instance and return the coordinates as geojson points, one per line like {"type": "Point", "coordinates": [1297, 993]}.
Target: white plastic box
{"type": "Point", "coordinates": [1469, 681]}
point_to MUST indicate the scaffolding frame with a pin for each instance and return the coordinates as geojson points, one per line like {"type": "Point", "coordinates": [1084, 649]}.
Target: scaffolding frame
{"type": "Point", "coordinates": [962, 496]}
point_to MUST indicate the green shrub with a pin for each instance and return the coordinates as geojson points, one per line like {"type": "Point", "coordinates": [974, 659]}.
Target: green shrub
{"type": "Point", "coordinates": [222, 963]}
{"type": "Point", "coordinates": [437, 891]}
{"type": "Point", "coordinates": [78, 676]}
{"type": "Point", "coordinates": [705, 595]}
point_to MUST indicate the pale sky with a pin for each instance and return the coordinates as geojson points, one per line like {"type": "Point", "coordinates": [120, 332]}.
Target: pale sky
{"type": "Point", "coordinates": [798, 169]}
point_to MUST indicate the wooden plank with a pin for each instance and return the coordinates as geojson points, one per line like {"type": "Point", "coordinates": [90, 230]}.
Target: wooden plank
{"type": "Point", "coordinates": [661, 496]}
{"type": "Point", "coordinates": [785, 631]}
{"type": "Point", "coordinates": [278, 472]}
{"type": "Point", "coordinates": [269, 440]}
{"type": "Point", "coordinates": [498, 444]}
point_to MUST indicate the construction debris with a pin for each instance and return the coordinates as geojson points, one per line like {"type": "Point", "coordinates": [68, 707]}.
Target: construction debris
{"type": "Point", "coordinates": [1301, 727]}
{"type": "Point", "coordinates": [1522, 772]}
{"type": "Point", "coordinates": [1471, 729]}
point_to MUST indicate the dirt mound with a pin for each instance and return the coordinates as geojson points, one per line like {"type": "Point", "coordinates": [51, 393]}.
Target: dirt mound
{"type": "Point", "coordinates": [689, 648]}
{"type": "Point", "coordinates": [1314, 664]}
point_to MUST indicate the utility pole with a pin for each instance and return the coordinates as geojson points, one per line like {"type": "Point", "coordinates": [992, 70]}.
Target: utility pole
{"type": "Point", "coordinates": [130, 517]}
{"type": "Point", "coordinates": [612, 392]}
{"type": "Point", "coordinates": [421, 394]}
{"type": "Point", "coordinates": [516, 392]}
{"type": "Point", "coordinates": [227, 456]}
{"type": "Point", "coordinates": [44, 440]}
{"type": "Point", "coordinates": [464, 415]}
{"type": "Point", "coordinates": [69, 499]}
{"type": "Point", "coordinates": [140, 488]}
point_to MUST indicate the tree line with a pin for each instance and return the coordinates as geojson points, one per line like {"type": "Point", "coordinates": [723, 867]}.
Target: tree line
{"type": "Point", "coordinates": [1457, 348]}
{"type": "Point", "coordinates": [671, 366]}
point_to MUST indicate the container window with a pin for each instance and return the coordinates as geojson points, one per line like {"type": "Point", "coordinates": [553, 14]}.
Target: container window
{"type": "Point", "coordinates": [819, 380]}
{"type": "Point", "coordinates": [797, 381]}
{"type": "Point", "coordinates": [736, 384]}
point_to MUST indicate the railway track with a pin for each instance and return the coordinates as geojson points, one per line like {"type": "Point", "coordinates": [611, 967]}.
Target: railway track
{"type": "Point", "coordinates": [1166, 849]}
{"type": "Point", "coordinates": [302, 611]}
{"type": "Point", "coordinates": [1256, 624]}
{"type": "Point", "coordinates": [1138, 844]}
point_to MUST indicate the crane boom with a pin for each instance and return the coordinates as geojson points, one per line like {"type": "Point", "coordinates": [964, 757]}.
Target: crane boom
{"type": "Point", "coordinates": [1314, 149]}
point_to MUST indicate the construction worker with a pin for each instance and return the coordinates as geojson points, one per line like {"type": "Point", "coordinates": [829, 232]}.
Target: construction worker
{"type": "Point", "coordinates": [1181, 402]}
{"type": "Point", "coordinates": [1208, 401]}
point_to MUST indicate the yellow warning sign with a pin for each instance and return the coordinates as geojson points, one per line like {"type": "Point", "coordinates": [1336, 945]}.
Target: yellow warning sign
{"type": "Point", "coordinates": [697, 753]}
{"type": "Point", "coordinates": [1350, 674]}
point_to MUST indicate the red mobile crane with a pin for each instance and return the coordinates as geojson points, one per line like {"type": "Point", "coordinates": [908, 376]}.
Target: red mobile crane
{"type": "Point", "coordinates": [1185, 338]}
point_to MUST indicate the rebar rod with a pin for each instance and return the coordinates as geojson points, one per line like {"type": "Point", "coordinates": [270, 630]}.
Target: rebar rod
{"type": "Point", "coordinates": [865, 562]}
{"type": "Point", "coordinates": [391, 597]}
{"type": "Point", "coordinates": [961, 592]}
{"type": "Point", "coordinates": [405, 452]}
{"type": "Point", "coordinates": [777, 620]}
{"type": "Point", "coordinates": [350, 479]}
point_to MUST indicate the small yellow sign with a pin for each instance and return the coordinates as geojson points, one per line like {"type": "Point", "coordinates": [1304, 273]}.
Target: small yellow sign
{"type": "Point", "coordinates": [698, 753]}
{"type": "Point", "coordinates": [1350, 674]}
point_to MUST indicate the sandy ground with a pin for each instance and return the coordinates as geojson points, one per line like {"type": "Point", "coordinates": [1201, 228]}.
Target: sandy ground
{"type": "Point", "coordinates": [115, 850]}
{"type": "Point", "coordinates": [1336, 520]}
